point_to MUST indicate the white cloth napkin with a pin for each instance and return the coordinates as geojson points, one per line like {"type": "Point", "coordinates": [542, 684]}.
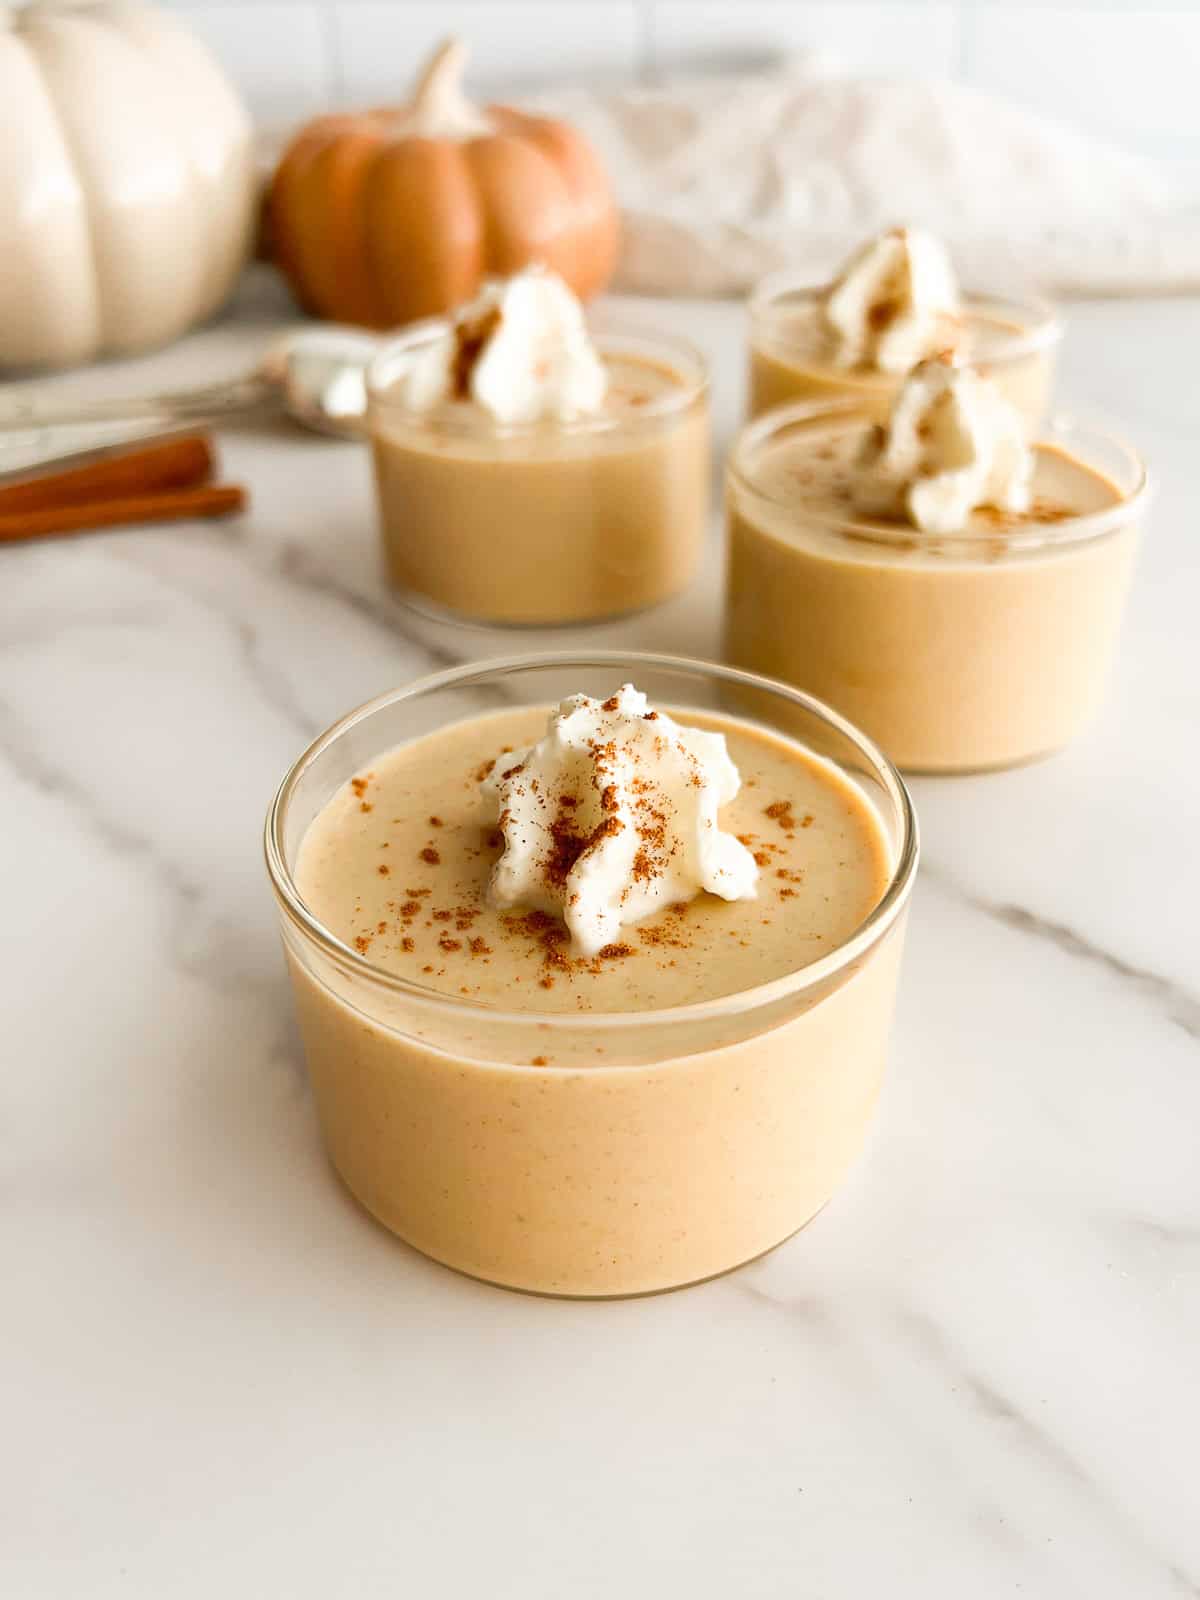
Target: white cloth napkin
{"type": "Point", "coordinates": [724, 178]}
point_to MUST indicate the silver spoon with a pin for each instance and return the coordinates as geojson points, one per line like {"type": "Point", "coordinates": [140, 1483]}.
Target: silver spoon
{"type": "Point", "coordinates": [316, 376]}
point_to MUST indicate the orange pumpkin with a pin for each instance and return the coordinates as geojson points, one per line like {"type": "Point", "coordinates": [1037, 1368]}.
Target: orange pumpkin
{"type": "Point", "coordinates": [378, 217]}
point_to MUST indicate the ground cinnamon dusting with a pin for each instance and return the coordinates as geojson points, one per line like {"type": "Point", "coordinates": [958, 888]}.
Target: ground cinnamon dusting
{"type": "Point", "coordinates": [567, 845]}
{"type": "Point", "coordinates": [384, 870]}
{"type": "Point", "coordinates": [430, 855]}
{"type": "Point", "coordinates": [470, 338]}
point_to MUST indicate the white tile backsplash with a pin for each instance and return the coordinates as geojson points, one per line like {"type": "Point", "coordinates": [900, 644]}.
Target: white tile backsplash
{"type": "Point", "coordinates": [278, 54]}
{"type": "Point", "coordinates": [892, 36]}
{"type": "Point", "coordinates": [1113, 68]}
{"type": "Point", "coordinates": [1130, 73]}
{"type": "Point", "coordinates": [514, 43]}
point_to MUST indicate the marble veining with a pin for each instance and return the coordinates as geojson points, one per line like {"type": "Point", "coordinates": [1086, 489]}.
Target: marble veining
{"type": "Point", "coordinates": [973, 1374]}
{"type": "Point", "coordinates": [1181, 1005]}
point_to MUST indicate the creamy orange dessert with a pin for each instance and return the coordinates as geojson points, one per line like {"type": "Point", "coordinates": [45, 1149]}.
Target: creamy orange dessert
{"type": "Point", "coordinates": [570, 1046]}
{"type": "Point", "coordinates": [527, 474]}
{"type": "Point", "coordinates": [951, 588]}
{"type": "Point", "coordinates": [896, 302]}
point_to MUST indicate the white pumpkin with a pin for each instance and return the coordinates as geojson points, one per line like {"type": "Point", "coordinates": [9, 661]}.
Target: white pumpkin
{"type": "Point", "coordinates": [127, 182]}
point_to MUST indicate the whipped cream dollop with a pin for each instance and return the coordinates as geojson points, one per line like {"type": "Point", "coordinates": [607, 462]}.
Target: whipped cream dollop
{"type": "Point", "coordinates": [520, 351]}
{"type": "Point", "coordinates": [613, 814]}
{"type": "Point", "coordinates": [953, 444]}
{"type": "Point", "coordinates": [895, 302]}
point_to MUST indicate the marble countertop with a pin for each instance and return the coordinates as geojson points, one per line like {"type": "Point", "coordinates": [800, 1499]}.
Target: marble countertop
{"type": "Point", "coordinates": [975, 1374]}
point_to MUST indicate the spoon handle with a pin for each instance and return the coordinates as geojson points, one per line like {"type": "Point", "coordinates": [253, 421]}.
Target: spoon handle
{"type": "Point", "coordinates": [185, 405]}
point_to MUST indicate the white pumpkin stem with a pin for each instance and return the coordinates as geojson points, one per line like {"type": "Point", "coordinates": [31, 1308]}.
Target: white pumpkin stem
{"type": "Point", "coordinates": [439, 109]}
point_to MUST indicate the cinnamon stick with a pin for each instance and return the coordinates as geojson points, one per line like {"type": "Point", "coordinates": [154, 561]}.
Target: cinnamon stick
{"type": "Point", "coordinates": [178, 463]}
{"type": "Point", "coordinates": [167, 505]}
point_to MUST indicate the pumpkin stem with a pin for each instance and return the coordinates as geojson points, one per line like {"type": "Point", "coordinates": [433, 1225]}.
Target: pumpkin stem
{"type": "Point", "coordinates": [443, 73]}
{"type": "Point", "coordinates": [439, 90]}
{"type": "Point", "coordinates": [439, 108]}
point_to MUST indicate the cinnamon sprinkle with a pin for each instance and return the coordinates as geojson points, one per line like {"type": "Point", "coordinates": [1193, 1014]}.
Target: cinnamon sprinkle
{"type": "Point", "coordinates": [470, 338]}
{"type": "Point", "coordinates": [567, 846]}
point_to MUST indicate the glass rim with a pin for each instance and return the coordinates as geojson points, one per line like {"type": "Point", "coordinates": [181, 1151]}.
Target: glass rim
{"type": "Point", "coordinates": [1038, 535]}
{"type": "Point", "coordinates": [1042, 325]}
{"type": "Point", "coordinates": [608, 335]}
{"type": "Point", "coordinates": [868, 933]}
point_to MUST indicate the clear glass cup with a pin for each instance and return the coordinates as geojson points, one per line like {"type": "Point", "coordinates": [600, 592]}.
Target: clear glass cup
{"type": "Point", "coordinates": [660, 1147]}
{"type": "Point", "coordinates": [957, 654]}
{"type": "Point", "coordinates": [546, 523]}
{"type": "Point", "coordinates": [1014, 341]}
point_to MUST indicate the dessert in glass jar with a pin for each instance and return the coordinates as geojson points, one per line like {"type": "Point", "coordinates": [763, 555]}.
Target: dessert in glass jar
{"type": "Point", "coordinates": [952, 588]}
{"type": "Point", "coordinates": [894, 303]}
{"type": "Point", "coordinates": [533, 470]}
{"type": "Point", "coordinates": [594, 981]}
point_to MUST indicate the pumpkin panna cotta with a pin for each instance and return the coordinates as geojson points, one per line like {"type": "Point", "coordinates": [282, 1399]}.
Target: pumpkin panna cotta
{"type": "Point", "coordinates": [953, 589]}
{"type": "Point", "coordinates": [380, 217]}
{"type": "Point", "coordinates": [529, 473]}
{"type": "Point", "coordinates": [595, 991]}
{"type": "Point", "coordinates": [895, 302]}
